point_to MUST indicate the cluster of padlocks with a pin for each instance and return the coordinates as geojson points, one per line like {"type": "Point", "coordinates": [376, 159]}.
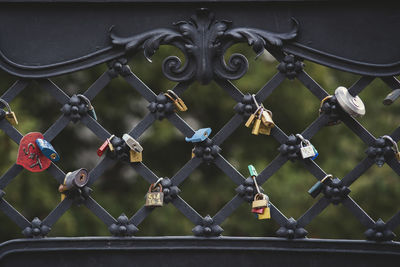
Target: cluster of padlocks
{"type": "Point", "coordinates": [36, 154]}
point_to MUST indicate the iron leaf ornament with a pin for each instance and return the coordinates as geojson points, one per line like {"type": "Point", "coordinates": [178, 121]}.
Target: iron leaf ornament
{"type": "Point", "coordinates": [203, 41]}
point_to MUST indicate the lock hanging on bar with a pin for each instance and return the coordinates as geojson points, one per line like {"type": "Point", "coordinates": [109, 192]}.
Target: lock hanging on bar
{"type": "Point", "coordinates": [261, 120]}
{"type": "Point", "coordinates": [10, 115]}
{"type": "Point", "coordinates": [352, 105]}
{"type": "Point", "coordinates": [155, 198]}
{"type": "Point", "coordinates": [199, 136]}
{"type": "Point", "coordinates": [176, 100]}
{"type": "Point", "coordinates": [395, 147]}
{"type": "Point", "coordinates": [75, 179]}
{"type": "Point", "coordinates": [307, 150]}
{"type": "Point", "coordinates": [105, 145]}
{"type": "Point", "coordinates": [47, 149]}
{"type": "Point", "coordinates": [132, 143]}
{"type": "Point", "coordinates": [91, 111]}
{"type": "Point", "coordinates": [317, 187]}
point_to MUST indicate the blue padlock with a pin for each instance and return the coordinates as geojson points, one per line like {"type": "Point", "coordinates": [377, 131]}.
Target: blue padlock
{"type": "Point", "coordinates": [199, 136]}
{"type": "Point", "coordinates": [47, 150]}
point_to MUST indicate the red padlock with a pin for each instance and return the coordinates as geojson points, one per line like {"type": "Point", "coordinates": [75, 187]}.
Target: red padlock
{"type": "Point", "coordinates": [29, 155]}
{"type": "Point", "coordinates": [257, 210]}
{"type": "Point", "coordinates": [103, 148]}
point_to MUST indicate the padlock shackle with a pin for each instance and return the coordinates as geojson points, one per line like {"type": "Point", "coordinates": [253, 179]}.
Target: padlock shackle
{"type": "Point", "coordinates": [6, 104]}
{"type": "Point", "coordinates": [170, 92]}
{"type": "Point", "coordinates": [88, 103]}
{"type": "Point", "coordinates": [326, 177]}
{"type": "Point", "coordinates": [323, 101]}
{"type": "Point", "coordinates": [154, 186]}
{"type": "Point", "coordinates": [394, 144]}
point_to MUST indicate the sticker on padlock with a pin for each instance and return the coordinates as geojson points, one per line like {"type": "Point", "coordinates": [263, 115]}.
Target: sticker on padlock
{"type": "Point", "coordinates": [75, 179]}
{"type": "Point", "coordinates": [199, 136]}
{"type": "Point", "coordinates": [10, 115]}
{"type": "Point", "coordinates": [47, 149]}
{"type": "Point", "coordinates": [395, 147]}
{"type": "Point", "coordinates": [29, 155]}
{"type": "Point", "coordinates": [155, 198]}
{"type": "Point", "coordinates": [318, 186]}
{"type": "Point", "coordinates": [178, 102]}
{"type": "Point", "coordinates": [135, 156]}
{"type": "Point", "coordinates": [132, 143]}
{"type": "Point", "coordinates": [91, 112]}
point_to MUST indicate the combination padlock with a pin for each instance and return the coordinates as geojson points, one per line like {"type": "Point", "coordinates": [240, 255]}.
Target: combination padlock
{"type": "Point", "coordinates": [47, 149]}
{"type": "Point", "coordinates": [352, 105]}
{"type": "Point", "coordinates": [178, 102]}
{"type": "Point", "coordinates": [91, 112]}
{"type": "Point", "coordinates": [75, 179]}
{"type": "Point", "coordinates": [155, 198]}
{"type": "Point", "coordinates": [317, 187]}
{"type": "Point", "coordinates": [395, 147]}
{"type": "Point", "coordinates": [10, 115]}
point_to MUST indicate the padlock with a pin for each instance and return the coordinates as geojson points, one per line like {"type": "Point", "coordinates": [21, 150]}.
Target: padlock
{"type": "Point", "coordinates": [132, 143]}
{"type": "Point", "coordinates": [199, 136]}
{"type": "Point", "coordinates": [264, 129]}
{"type": "Point", "coordinates": [75, 179]}
{"type": "Point", "coordinates": [352, 105]}
{"type": "Point", "coordinates": [91, 112]}
{"type": "Point", "coordinates": [103, 148]}
{"type": "Point", "coordinates": [135, 156]}
{"type": "Point", "coordinates": [260, 201]}
{"type": "Point", "coordinates": [395, 147]}
{"type": "Point", "coordinates": [252, 170]}
{"type": "Point", "coordinates": [267, 118]}
{"type": "Point", "coordinates": [256, 126]}
{"type": "Point", "coordinates": [47, 149]}
{"type": "Point", "coordinates": [250, 120]}
{"type": "Point", "coordinates": [306, 150]}
{"type": "Point", "coordinates": [317, 187]}
{"type": "Point", "coordinates": [390, 98]}
{"type": "Point", "coordinates": [178, 102]}
{"type": "Point", "coordinates": [153, 198]}
{"type": "Point", "coordinates": [10, 115]}
{"type": "Point", "coordinates": [266, 214]}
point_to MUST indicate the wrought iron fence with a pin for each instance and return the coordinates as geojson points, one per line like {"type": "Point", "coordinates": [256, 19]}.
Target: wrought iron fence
{"type": "Point", "coordinates": [203, 39]}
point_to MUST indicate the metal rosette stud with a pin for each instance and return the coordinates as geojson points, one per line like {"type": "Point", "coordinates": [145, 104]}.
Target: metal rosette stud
{"type": "Point", "coordinates": [352, 105]}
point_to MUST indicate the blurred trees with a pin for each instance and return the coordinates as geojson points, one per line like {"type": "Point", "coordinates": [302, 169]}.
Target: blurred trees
{"type": "Point", "coordinates": [120, 190]}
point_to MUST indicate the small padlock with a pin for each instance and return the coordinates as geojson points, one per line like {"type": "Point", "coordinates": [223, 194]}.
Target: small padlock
{"type": "Point", "coordinates": [103, 148]}
{"type": "Point", "coordinates": [252, 170]}
{"type": "Point", "coordinates": [250, 120]}
{"type": "Point", "coordinates": [390, 98]}
{"type": "Point", "coordinates": [317, 187]}
{"type": "Point", "coordinates": [47, 149]}
{"type": "Point", "coordinates": [257, 210]}
{"type": "Point", "coordinates": [307, 150]}
{"type": "Point", "coordinates": [267, 118]}
{"type": "Point", "coordinates": [10, 115]}
{"type": "Point", "coordinates": [260, 201]}
{"type": "Point", "coordinates": [155, 198]}
{"type": "Point", "coordinates": [75, 179]}
{"type": "Point", "coordinates": [135, 156]}
{"type": "Point", "coordinates": [256, 126]}
{"type": "Point", "coordinates": [132, 143]}
{"type": "Point", "coordinates": [352, 105]}
{"type": "Point", "coordinates": [266, 213]}
{"type": "Point", "coordinates": [91, 112]}
{"type": "Point", "coordinates": [178, 102]}
{"type": "Point", "coordinates": [395, 147]}
{"type": "Point", "coordinates": [199, 136]}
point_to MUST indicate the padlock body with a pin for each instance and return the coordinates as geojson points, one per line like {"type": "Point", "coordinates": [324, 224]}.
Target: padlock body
{"type": "Point", "coordinates": [265, 215]}
{"type": "Point", "coordinates": [267, 119]}
{"type": "Point", "coordinates": [256, 127]}
{"type": "Point", "coordinates": [154, 199]}
{"type": "Point", "coordinates": [315, 189]}
{"type": "Point", "coordinates": [307, 152]}
{"type": "Point", "coordinates": [102, 148]}
{"type": "Point", "coordinates": [257, 210]}
{"type": "Point", "coordinates": [132, 143]}
{"type": "Point", "coordinates": [259, 203]}
{"type": "Point", "coordinates": [135, 156]}
{"type": "Point", "coordinates": [250, 120]}
{"type": "Point", "coordinates": [264, 129]}
{"type": "Point", "coordinates": [11, 118]}
{"type": "Point", "coordinates": [47, 149]}
{"type": "Point", "coordinates": [78, 178]}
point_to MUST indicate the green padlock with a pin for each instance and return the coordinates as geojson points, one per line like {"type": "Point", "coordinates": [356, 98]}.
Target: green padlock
{"type": "Point", "coordinates": [317, 187]}
{"type": "Point", "coordinates": [252, 170]}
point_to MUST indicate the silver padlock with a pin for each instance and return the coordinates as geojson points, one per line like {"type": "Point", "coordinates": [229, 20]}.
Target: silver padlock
{"type": "Point", "coordinates": [352, 105]}
{"type": "Point", "coordinates": [132, 143]}
{"type": "Point", "coordinates": [307, 150]}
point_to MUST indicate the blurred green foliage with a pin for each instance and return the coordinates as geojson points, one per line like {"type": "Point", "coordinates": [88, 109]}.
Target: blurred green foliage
{"type": "Point", "coordinates": [120, 190]}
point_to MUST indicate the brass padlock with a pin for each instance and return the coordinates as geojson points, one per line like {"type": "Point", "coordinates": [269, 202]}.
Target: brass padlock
{"type": "Point", "coordinates": [250, 120]}
{"type": "Point", "coordinates": [266, 213]}
{"type": "Point", "coordinates": [178, 102]}
{"type": "Point", "coordinates": [135, 156]}
{"type": "Point", "coordinates": [267, 118]}
{"type": "Point", "coordinates": [260, 201]}
{"type": "Point", "coordinates": [10, 115]}
{"type": "Point", "coordinates": [155, 198]}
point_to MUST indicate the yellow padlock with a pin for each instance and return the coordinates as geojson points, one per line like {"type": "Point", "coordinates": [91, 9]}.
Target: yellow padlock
{"type": "Point", "coordinates": [266, 214]}
{"type": "Point", "coordinates": [135, 156]}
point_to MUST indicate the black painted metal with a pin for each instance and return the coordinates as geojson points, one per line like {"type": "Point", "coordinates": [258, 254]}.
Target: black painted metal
{"type": "Point", "coordinates": [287, 31]}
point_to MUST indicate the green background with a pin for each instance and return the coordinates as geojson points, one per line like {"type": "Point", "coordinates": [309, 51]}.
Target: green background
{"type": "Point", "coordinates": [120, 190]}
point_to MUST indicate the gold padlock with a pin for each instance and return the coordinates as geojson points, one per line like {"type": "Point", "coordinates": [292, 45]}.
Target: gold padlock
{"type": "Point", "coordinates": [250, 120]}
{"type": "Point", "coordinates": [266, 214]}
{"type": "Point", "coordinates": [10, 115]}
{"type": "Point", "coordinates": [260, 201]}
{"type": "Point", "coordinates": [110, 146]}
{"type": "Point", "coordinates": [178, 102]}
{"type": "Point", "coordinates": [155, 198]}
{"type": "Point", "coordinates": [264, 129]}
{"type": "Point", "coordinates": [135, 156]}
{"type": "Point", "coordinates": [267, 118]}
{"type": "Point", "coordinates": [256, 126]}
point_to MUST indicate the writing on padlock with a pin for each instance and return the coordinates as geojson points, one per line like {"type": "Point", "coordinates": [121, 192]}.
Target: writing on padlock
{"type": "Point", "coordinates": [75, 179]}
{"type": "Point", "coordinates": [317, 187]}
{"type": "Point", "coordinates": [261, 120]}
{"type": "Point", "coordinates": [395, 147]}
{"type": "Point", "coordinates": [307, 150]}
{"type": "Point", "coordinates": [91, 112]}
{"type": "Point", "coordinates": [155, 196]}
{"type": "Point", "coordinates": [199, 135]}
{"type": "Point", "coordinates": [10, 115]}
{"type": "Point", "coordinates": [176, 100]}
{"type": "Point", "coordinates": [31, 156]}
{"type": "Point", "coordinates": [106, 145]}
{"type": "Point", "coordinates": [261, 206]}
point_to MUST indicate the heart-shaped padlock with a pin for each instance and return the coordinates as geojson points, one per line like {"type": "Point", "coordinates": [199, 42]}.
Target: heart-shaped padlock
{"type": "Point", "coordinates": [29, 155]}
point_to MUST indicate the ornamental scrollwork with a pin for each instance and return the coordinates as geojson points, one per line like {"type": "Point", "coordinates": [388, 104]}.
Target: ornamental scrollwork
{"type": "Point", "coordinates": [203, 41]}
